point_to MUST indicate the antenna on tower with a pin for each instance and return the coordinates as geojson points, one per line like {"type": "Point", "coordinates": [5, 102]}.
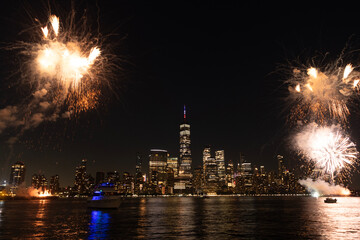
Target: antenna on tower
{"type": "Point", "coordinates": [184, 112]}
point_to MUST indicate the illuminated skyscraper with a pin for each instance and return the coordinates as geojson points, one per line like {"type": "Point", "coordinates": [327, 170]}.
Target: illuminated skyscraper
{"type": "Point", "coordinates": [210, 166]}
{"type": "Point", "coordinates": [80, 178]}
{"type": "Point", "coordinates": [206, 156]}
{"type": "Point", "coordinates": [157, 166]}
{"type": "Point", "coordinates": [17, 175]}
{"type": "Point", "coordinates": [281, 167]}
{"type": "Point", "coordinates": [230, 174]}
{"type": "Point", "coordinates": [220, 162]}
{"type": "Point", "coordinates": [54, 184]}
{"type": "Point", "coordinates": [185, 152]}
{"type": "Point", "coordinates": [173, 163]}
{"type": "Point", "coordinates": [39, 181]}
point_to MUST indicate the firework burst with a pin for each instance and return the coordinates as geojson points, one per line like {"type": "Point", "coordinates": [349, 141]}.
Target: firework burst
{"type": "Point", "coordinates": [322, 94]}
{"type": "Point", "coordinates": [63, 70]}
{"type": "Point", "coordinates": [327, 148]}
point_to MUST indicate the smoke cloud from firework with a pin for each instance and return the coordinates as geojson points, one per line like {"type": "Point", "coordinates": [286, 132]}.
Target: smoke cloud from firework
{"type": "Point", "coordinates": [323, 188]}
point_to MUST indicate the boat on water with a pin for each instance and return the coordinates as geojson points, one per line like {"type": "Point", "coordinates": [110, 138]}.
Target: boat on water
{"type": "Point", "coordinates": [330, 200]}
{"type": "Point", "coordinates": [104, 196]}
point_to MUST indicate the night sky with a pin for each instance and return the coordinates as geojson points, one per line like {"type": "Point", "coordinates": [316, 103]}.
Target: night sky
{"type": "Point", "coordinates": [219, 58]}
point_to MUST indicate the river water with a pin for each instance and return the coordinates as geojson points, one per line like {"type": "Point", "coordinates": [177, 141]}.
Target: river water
{"type": "Point", "coordinates": [183, 218]}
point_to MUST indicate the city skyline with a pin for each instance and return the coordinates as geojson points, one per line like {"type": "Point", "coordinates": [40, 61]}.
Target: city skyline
{"type": "Point", "coordinates": [184, 168]}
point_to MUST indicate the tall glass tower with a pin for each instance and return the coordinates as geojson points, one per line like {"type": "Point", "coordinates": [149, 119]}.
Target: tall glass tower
{"type": "Point", "coordinates": [185, 152]}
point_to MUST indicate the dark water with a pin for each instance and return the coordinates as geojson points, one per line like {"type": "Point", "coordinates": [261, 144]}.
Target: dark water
{"type": "Point", "coordinates": [184, 218]}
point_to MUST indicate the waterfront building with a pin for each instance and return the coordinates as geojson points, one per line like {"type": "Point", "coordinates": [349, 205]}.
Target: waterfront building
{"type": "Point", "coordinates": [80, 184]}
{"type": "Point", "coordinates": [210, 172]}
{"type": "Point", "coordinates": [198, 180]}
{"type": "Point", "coordinates": [220, 162]}
{"type": "Point", "coordinates": [262, 171]}
{"type": "Point", "coordinates": [246, 169]}
{"type": "Point", "coordinates": [140, 159]}
{"type": "Point", "coordinates": [89, 183]}
{"type": "Point", "coordinates": [173, 163]}
{"type": "Point", "coordinates": [185, 151]}
{"type": "Point", "coordinates": [206, 156]}
{"type": "Point", "coordinates": [54, 185]}
{"type": "Point", "coordinates": [17, 175]}
{"type": "Point", "coordinates": [113, 177]}
{"type": "Point", "coordinates": [39, 181]}
{"type": "Point", "coordinates": [140, 177]}
{"type": "Point", "coordinates": [157, 166]}
{"type": "Point", "coordinates": [281, 168]}
{"type": "Point", "coordinates": [230, 174]}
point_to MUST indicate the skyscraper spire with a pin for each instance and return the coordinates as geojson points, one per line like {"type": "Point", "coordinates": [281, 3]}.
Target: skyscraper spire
{"type": "Point", "coordinates": [184, 113]}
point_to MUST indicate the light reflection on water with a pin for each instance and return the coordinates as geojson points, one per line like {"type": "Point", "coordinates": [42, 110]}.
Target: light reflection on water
{"type": "Point", "coordinates": [342, 222]}
{"type": "Point", "coordinates": [1, 210]}
{"type": "Point", "coordinates": [99, 225]}
{"type": "Point", "coordinates": [184, 218]}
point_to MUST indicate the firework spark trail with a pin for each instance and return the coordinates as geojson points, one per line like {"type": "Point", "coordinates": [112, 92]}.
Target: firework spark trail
{"type": "Point", "coordinates": [331, 151]}
{"type": "Point", "coordinates": [323, 95]}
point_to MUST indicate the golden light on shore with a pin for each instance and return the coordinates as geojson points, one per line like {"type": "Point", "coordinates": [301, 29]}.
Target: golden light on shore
{"type": "Point", "coordinates": [45, 193]}
{"type": "Point", "coordinates": [346, 192]}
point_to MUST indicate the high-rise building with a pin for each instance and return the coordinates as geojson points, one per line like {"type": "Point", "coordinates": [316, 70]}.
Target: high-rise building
{"type": "Point", "coordinates": [17, 175]}
{"type": "Point", "coordinates": [241, 160]}
{"type": "Point", "coordinates": [54, 184]}
{"type": "Point", "coordinates": [39, 181]}
{"type": "Point", "coordinates": [281, 167]}
{"type": "Point", "coordinates": [157, 166]}
{"type": "Point", "coordinates": [113, 177]}
{"type": "Point", "coordinates": [173, 163]}
{"type": "Point", "coordinates": [220, 162]}
{"type": "Point", "coordinates": [246, 169]}
{"type": "Point", "coordinates": [262, 170]}
{"type": "Point", "coordinates": [211, 172]}
{"type": "Point", "coordinates": [206, 156]}
{"type": "Point", "coordinates": [210, 166]}
{"type": "Point", "coordinates": [139, 163]}
{"type": "Point", "coordinates": [185, 152]}
{"type": "Point", "coordinates": [80, 178]}
{"type": "Point", "coordinates": [246, 173]}
{"type": "Point", "coordinates": [230, 174]}
{"type": "Point", "coordinates": [198, 180]}
{"type": "Point", "coordinates": [89, 183]}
